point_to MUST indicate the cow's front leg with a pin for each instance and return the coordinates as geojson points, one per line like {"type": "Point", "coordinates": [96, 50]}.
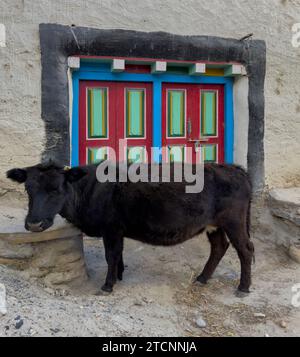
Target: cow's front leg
{"type": "Point", "coordinates": [113, 246]}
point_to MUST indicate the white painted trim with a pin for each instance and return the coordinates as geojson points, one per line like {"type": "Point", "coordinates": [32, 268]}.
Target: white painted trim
{"type": "Point", "coordinates": [235, 70]}
{"type": "Point", "coordinates": [74, 62]}
{"type": "Point", "coordinates": [197, 69]}
{"type": "Point", "coordinates": [159, 67]}
{"type": "Point", "coordinates": [118, 65]}
{"type": "Point", "coordinates": [241, 120]}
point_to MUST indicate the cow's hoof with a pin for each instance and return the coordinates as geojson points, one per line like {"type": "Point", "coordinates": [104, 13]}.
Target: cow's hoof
{"type": "Point", "coordinates": [244, 290]}
{"type": "Point", "coordinates": [202, 280]}
{"type": "Point", "coordinates": [107, 288]}
{"type": "Point", "coordinates": [242, 293]}
{"type": "Point", "coordinates": [120, 276]}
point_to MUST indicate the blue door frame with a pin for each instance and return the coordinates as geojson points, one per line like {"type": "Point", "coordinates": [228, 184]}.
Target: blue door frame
{"type": "Point", "coordinates": [102, 72]}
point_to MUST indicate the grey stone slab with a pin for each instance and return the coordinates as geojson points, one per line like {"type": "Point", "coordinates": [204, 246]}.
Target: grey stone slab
{"type": "Point", "coordinates": [285, 203]}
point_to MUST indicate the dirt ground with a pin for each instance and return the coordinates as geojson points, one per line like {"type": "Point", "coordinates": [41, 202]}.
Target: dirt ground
{"type": "Point", "coordinates": [158, 297]}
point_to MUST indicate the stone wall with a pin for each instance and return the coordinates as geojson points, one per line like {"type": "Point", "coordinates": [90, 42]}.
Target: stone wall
{"type": "Point", "coordinates": [21, 128]}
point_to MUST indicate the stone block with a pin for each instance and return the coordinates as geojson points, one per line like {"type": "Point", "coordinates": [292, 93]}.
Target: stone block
{"type": "Point", "coordinates": [285, 203]}
{"type": "Point", "coordinates": [55, 255]}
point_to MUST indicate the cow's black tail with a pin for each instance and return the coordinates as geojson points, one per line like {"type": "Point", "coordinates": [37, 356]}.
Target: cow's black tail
{"type": "Point", "coordinates": [248, 219]}
{"type": "Point", "coordinates": [248, 225]}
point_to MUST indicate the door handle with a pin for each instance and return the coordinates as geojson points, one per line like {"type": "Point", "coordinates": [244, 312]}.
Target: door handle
{"type": "Point", "coordinates": [189, 132]}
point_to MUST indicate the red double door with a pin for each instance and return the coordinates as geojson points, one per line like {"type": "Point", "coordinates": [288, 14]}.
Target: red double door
{"type": "Point", "coordinates": [116, 122]}
{"type": "Point", "coordinates": [110, 112]}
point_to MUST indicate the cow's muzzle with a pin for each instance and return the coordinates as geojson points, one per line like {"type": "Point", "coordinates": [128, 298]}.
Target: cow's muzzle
{"type": "Point", "coordinates": [34, 227]}
{"type": "Point", "coordinates": [38, 227]}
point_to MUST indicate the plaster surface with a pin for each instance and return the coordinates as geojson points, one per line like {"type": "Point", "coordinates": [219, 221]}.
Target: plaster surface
{"type": "Point", "coordinates": [22, 133]}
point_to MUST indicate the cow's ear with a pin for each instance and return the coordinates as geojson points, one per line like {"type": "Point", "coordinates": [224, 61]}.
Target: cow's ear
{"type": "Point", "coordinates": [18, 175]}
{"type": "Point", "coordinates": [74, 174]}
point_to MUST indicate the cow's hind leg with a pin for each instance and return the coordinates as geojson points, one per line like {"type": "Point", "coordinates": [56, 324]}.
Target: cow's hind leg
{"type": "Point", "coordinates": [120, 268]}
{"type": "Point", "coordinates": [239, 238]}
{"type": "Point", "coordinates": [218, 247]}
{"type": "Point", "coordinates": [113, 245]}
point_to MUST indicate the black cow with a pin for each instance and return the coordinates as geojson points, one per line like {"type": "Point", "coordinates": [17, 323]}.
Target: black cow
{"type": "Point", "coordinates": [154, 213]}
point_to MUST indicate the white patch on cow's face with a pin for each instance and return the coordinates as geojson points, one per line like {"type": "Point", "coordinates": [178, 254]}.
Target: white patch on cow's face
{"type": "Point", "coordinates": [210, 229]}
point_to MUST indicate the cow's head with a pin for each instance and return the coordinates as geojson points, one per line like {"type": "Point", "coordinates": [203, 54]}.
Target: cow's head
{"type": "Point", "coordinates": [47, 189]}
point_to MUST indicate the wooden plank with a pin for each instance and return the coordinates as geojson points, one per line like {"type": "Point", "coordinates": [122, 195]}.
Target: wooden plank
{"type": "Point", "coordinates": [29, 237]}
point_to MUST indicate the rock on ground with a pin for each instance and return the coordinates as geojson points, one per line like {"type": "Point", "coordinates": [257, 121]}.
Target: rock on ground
{"type": "Point", "coordinates": [285, 203]}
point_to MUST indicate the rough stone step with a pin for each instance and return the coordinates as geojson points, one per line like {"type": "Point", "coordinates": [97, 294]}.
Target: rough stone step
{"type": "Point", "coordinates": [285, 203]}
{"type": "Point", "coordinates": [55, 255]}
